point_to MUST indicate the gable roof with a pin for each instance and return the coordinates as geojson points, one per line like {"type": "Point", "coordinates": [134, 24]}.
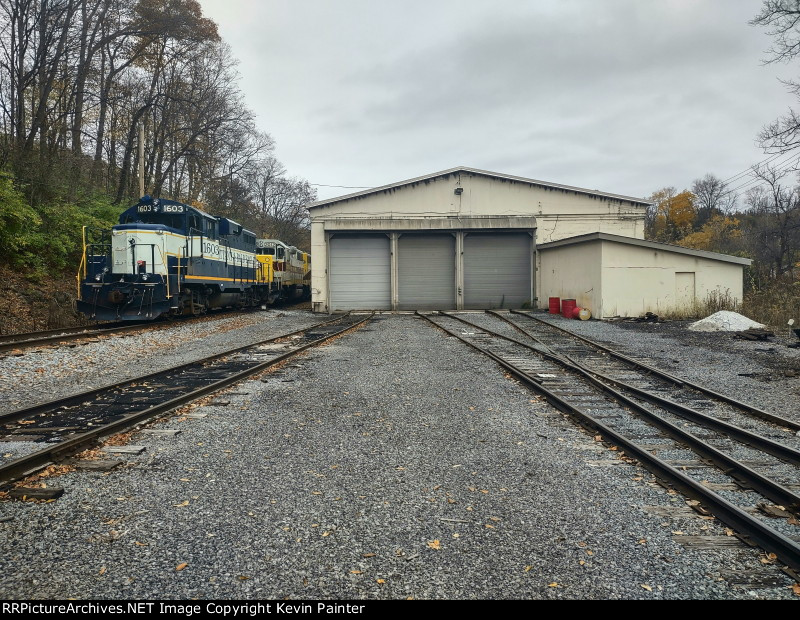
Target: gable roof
{"type": "Point", "coordinates": [485, 173]}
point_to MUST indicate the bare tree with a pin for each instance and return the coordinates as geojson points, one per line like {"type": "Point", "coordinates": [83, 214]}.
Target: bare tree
{"type": "Point", "coordinates": [774, 226]}
{"type": "Point", "coordinates": [712, 197]}
{"type": "Point", "coordinates": [82, 76]}
{"type": "Point", "coordinates": [782, 19]}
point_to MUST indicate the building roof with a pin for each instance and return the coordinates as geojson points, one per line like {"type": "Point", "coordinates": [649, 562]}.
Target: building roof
{"type": "Point", "coordinates": [496, 175]}
{"type": "Point", "coordinates": [653, 245]}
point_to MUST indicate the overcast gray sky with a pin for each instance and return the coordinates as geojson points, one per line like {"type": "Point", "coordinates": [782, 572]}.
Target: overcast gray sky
{"type": "Point", "coordinates": [625, 96]}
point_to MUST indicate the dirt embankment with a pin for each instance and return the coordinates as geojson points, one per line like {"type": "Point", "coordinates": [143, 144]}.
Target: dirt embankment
{"type": "Point", "coordinates": [29, 306]}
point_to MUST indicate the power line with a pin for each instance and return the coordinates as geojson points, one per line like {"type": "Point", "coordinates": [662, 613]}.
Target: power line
{"type": "Point", "coordinates": [784, 165]}
{"type": "Point", "coordinates": [342, 186]}
{"type": "Point", "coordinates": [743, 172]}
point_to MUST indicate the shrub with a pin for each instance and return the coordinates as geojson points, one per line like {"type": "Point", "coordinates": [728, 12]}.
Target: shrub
{"type": "Point", "coordinates": [774, 303]}
{"type": "Point", "coordinates": [18, 221]}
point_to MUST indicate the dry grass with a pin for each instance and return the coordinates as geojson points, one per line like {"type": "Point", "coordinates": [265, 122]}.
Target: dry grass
{"type": "Point", "coordinates": [774, 304]}
{"type": "Point", "coordinates": [714, 302]}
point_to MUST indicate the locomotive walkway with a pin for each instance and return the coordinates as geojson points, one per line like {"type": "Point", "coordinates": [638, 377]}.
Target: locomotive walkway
{"type": "Point", "coordinates": [395, 462]}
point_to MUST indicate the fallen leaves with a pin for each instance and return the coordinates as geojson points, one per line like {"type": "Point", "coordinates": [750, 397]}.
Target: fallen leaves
{"type": "Point", "coordinates": [120, 439]}
{"type": "Point", "coordinates": [181, 566]}
{"type": "Point", "coordinates": [435, 544]}
{"type": "Point", "coordinates": [646, 587]}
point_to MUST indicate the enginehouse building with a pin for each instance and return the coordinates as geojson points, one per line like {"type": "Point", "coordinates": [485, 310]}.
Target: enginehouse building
{"type": "Point", "coordinates": [470, 239]}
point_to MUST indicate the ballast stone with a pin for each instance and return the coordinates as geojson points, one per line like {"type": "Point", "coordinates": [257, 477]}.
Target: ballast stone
{"type": "Point", "coordinates": [724, 321]}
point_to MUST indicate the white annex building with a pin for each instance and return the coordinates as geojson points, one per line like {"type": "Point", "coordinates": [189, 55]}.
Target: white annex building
{"type": "Point", "coordinates": [470, 239]}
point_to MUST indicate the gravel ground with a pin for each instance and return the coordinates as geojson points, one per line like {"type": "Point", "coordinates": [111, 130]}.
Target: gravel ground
{"type": "Point", "coordinates": [39, 375]}
{"type": "Point", "coordinates": [392, 463]}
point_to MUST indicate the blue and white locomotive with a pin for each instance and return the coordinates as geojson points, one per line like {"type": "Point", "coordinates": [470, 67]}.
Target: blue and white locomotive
{"type": "Point", "coordinates": [169, 258]}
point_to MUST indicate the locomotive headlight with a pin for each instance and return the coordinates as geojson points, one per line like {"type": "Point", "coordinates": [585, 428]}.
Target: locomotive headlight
{"type": "Point", "coordinates": [145, 277]}
{"type": "Point", "coordinates": [98, 277]}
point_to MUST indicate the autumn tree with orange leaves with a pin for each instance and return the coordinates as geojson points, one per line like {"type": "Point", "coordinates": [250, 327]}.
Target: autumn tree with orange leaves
{"type": "Point", "coordinates": [672, 215]}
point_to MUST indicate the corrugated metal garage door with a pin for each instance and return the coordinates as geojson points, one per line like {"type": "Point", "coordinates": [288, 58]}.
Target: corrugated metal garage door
{"type": "Point", "coordinates": [497, 270]}
{"type": "Point", "coordinates": [426, 267]}
{"type": "Point", "coordinates": [360, 272]}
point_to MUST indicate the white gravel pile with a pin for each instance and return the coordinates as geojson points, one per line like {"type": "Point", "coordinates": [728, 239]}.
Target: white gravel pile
{"type": "Point", "coordinates": [724, 321]}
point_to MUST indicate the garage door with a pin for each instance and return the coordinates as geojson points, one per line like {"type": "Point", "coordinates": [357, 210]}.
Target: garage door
{"type": "Point", "coordinates": [426, 266]}
{"type": "Point", "coordinates": [497, 270]}
{"type": "Point", "coordinates": [360, 272]}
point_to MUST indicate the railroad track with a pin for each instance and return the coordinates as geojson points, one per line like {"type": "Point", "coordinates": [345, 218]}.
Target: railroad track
{"type": "Point", "coordinates": [27, 340]}
{"type": "Point", "coordinates": [622, 369]}
{"type": "Point", "coordinates": [11, 342]}
{"type": "Point", "coordinates": [738, 474]}
{"type": "Point", "coordinates": [68, 425]}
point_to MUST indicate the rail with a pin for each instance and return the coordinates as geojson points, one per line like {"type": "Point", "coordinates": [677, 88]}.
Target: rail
{"type": "Point", "coordinates": [577, 392]}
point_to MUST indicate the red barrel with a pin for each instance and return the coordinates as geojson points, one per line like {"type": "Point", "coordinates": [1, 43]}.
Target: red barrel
{"type": "Point", "coordinates": [555, 305]}
{"type": "Point", "coordinates": [576, 313]}
{"type": "Point", "coordinates": [567, 306]}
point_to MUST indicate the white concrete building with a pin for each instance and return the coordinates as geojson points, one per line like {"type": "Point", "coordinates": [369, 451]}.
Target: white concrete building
{"type": "Point", "coordinates": [460, 238]}
{"type": "Point", "coordinates": [466, 238]}
{"type": "Point", "coordinates": [612, 275]}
